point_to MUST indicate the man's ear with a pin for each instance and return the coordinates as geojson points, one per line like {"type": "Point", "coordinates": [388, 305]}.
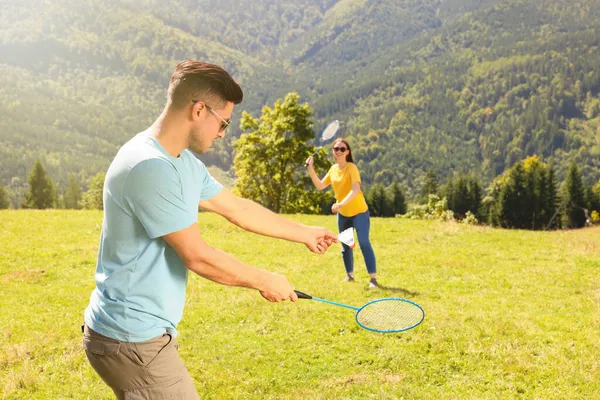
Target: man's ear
{"type": "Point", "coordinates": [197, 108]}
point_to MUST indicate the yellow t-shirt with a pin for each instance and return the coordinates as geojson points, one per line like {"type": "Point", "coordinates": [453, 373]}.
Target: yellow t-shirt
{"type": "Point", "coordinates": [342, 180]}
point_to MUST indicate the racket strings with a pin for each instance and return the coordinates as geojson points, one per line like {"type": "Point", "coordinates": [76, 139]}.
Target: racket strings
{"type": "Point", "coordinates": [330, 131]}
{"type": "Point", "coordinates": [390, 315]}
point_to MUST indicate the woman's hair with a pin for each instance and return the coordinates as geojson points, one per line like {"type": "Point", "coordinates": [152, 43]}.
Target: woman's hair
{"type": "Point", "coordinates": [349, 154]}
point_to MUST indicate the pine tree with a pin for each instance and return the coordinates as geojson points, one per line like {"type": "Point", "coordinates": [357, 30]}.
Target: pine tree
{"type": "Point", "coordinates": [430, 185]}
{"type": "Point", "coordinates": [550, 199]}
{"type": "Point", "coordinates": [527, 196]}
{"type": "Point", "coordinates": [510, 205]}
{"type": "Point", "coordinates": [463, 195]}
{"type": "Point", "coordinates": [378, 201]}
{"type": "Point", "coordinates": [460, 202]}
{"type": "Point", "coordinates": [72, 196]}
{"type": "Point", "coordinates": [41, 194]}
{"type": "Point", "coordinates": [448, 192]}
{"type": "Point", "coordinates": [4, 199]}
{"type": "Point", "coordinates": [475, 195]}
{"type": "Point", "coordinates": [398, 200]}
{"type": "Point", "coordinates": [574, 199]}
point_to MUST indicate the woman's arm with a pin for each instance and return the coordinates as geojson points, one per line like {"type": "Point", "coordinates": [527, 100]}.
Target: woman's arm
{"type": "Point", "coordinates": [351, 195]}
{"type": "Point", "coordinates": [318, 183]}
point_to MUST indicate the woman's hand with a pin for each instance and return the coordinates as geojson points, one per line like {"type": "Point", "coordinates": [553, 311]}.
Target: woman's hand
{"type": "Point", "coordinates": [309, 162]}
{"type": "Point", "coordinates": [335, 207]}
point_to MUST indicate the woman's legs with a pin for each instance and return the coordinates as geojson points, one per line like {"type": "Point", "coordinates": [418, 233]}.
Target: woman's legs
{"type": "Point", "coordinates": [362, 225]}
{"type": "Point", "coordinates": [347, 253]}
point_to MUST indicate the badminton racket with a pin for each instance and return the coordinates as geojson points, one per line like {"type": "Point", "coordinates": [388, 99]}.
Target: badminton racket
{"type": "Point", "coordinates": [327, 134]}
{"type": "Point", "coordinates": [387, 315]}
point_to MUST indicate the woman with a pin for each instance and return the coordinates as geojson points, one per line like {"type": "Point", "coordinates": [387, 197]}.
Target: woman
{"type": "Point", "coordinates": [350, 205]}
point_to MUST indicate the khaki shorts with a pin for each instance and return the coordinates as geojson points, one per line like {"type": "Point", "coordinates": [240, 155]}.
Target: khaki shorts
{"type": "Point", "coordinates": [142, 370]}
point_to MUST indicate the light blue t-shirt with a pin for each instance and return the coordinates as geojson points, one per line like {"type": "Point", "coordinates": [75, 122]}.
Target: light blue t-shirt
{"type": "Point", "coordinates": [140, 279]}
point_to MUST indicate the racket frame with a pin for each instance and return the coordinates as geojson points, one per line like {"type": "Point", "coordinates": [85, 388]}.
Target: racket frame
{"type": "Point", "coordinates": [390, 330]}
{"type": "Point", "coordinates": [302, 295]}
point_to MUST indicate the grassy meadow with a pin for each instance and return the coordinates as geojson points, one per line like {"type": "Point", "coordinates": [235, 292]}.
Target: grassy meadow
{"type": "Point", "coordinates": [509, 314]}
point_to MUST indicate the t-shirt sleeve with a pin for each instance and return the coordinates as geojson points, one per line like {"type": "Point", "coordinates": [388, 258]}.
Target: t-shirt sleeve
{"type": "Point", "coordinates": [154, 193]}
{"type": "Point", "coordinates": [210, 186]}
{"type": "Point", "coordinates": [354, 174]}
{"type": "Point", "coordinates": [327, 179]}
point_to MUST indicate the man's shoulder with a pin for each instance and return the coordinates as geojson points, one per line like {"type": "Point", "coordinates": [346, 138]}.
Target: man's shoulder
{"type": "Point", "coordinates": [138, 150]}
{"type": "Point", "coordinates": [137, 159]}
{"type": "Point", "coordinates": [191, 158]}
{"type": "Point", "coordinates": [193, 165]}
{"type": "Point", "coordinates": [141, 147]}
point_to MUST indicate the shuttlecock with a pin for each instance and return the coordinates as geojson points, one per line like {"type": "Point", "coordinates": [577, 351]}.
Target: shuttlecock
{"type": "Point", "coordinates": [347, 237]}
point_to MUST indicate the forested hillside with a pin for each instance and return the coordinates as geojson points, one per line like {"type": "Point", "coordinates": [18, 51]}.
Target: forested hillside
{"type": "Point", "coordinates": [448, 86]}
{"type": "Point", "coordinates": [488, 89]}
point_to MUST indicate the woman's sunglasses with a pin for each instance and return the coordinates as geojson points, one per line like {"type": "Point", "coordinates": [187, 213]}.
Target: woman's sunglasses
{"type": "Point", "coordinates": [340, 149]}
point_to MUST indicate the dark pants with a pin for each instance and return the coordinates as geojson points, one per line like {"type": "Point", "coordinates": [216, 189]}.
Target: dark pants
{"type": "Point", "coordinates": [362, 225]}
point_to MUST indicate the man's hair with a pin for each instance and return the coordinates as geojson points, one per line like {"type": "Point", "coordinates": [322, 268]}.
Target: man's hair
{"type": "Point", "coordinates": [349, 155]}
{"type": "Point", "coordinates": [195, 80]}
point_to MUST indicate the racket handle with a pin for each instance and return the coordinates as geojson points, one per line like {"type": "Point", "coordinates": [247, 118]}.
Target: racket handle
{"type": "Point", "coordinates": [303, 295]}
{"type": "Point", "coordinates": [312, 155]}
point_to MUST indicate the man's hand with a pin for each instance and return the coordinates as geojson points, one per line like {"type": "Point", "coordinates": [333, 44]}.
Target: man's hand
{"type": "Point", "coordinates": [276, 288]}
{"type": "Point", "coordinates": [319, 239]}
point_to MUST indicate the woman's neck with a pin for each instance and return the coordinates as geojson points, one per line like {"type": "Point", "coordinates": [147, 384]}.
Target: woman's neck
{"type": "Point", "coordinates": [342, 163]}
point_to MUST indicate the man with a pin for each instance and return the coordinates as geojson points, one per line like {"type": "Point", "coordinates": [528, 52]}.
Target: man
{"type": "Point", "coordinates": [150, 239]}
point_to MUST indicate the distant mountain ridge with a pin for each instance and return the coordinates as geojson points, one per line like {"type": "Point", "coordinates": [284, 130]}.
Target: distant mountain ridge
{"type": "Point", "coordinates": [448, 86]}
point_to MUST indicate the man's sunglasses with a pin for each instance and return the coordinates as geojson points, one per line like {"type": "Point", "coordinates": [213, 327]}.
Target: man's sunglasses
{"type": "Point", "coordinates": [340, 149]}
{"type": "Point", "coordinates": [224, 122]}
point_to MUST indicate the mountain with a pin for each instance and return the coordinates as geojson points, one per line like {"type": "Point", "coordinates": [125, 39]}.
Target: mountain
{"type": "Point", "coordinates": [448, 86]}
{"type": "Point", "coordinates": [488, 88]}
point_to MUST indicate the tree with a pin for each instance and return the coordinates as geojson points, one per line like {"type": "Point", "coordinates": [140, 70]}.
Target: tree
{"type": "Point", "coordinates": [573, 201]}
{"type": "Point", "coordinates": [269, 160]}
{"type": "Point", "coordinates": [528, 198]}
{"type": "Point", "coordinates": [551, 199]}
{"type": "Point", "coordinates": [510, 205]}
{"type": "Point", "coordinates": [474, 191]}
{"type": "Point", "coordinates": [41, 194]}
{"type": "Point", "coordinates": [540, 202]}
{"type": "Point", "coordinates": [72, 196]}
{"type": "Point", "coordinates": [463, 195]}
{"type": "Point", "coordinates": [398, 200]}
{"type": "Point", "coordinates": [459, 202]}
{"type": "Point", "coordinates": [4, 200]}
{"type": "Point", "coordinates": [593, 197]}
{"type": "Point", "coordinates": [430, 185]}
{"type": "Point", "coordinates": [92, 199]}
{"type": "Point", "coordinates": [379, 202]}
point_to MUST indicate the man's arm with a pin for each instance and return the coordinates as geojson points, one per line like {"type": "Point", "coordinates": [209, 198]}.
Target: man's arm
{"type": "Point", "coordinates": [220, 267]}
{"type": "Point", "coordinates": [255, 218]}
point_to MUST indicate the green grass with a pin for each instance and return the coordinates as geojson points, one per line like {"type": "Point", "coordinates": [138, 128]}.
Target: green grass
{"type": "Point", "coordinates": [509, 314]}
